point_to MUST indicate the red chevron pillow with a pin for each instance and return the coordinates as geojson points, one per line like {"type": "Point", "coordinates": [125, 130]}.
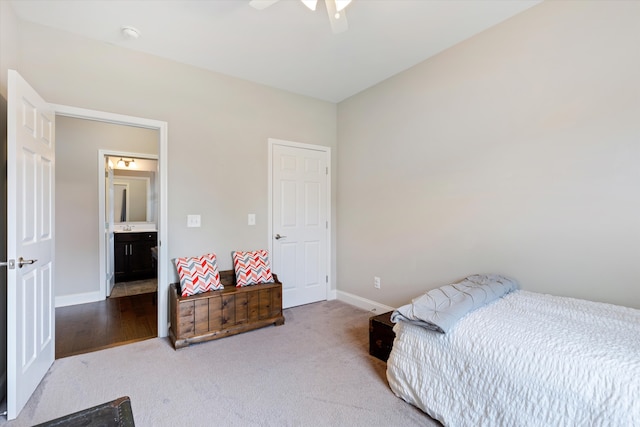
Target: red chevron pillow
{"type": "Point", "coordinates": [198, 274]}
{"type": "Point", "coordinates": [252, 268]}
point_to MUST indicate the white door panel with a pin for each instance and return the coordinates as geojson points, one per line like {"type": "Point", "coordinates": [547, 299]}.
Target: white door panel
{"type": "Point", "coordinates": [299, 183]}
{"type": "Point", "coordinates": [109, 235]}
{"type": "Point", "coordinates": [30, 238]}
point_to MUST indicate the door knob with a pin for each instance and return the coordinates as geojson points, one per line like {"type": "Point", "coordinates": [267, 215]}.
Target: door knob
{"type": "Point", "coordinates": [278, 237]}
{"type": "Point", "coordinates": [22, 262]}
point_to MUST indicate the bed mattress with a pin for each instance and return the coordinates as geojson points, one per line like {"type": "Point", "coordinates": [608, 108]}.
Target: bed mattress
{"type": "Point", "coordinates": [526, 359]}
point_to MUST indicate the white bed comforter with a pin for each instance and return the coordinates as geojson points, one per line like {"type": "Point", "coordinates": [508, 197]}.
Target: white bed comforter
{"type": "Point", "coordinates": [526, 359]}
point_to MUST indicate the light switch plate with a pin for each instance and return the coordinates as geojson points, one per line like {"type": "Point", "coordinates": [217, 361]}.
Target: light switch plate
{"type": "Point", "coordinates": [251, 219]}
{"type": "Point", "coordinates": [193, 220]}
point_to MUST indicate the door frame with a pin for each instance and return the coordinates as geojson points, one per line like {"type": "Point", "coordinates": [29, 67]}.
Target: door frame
{"type": "Point", "coordinates": [163, 223]}
{"type": "Point", "coordinates": [331, 294]}
{"type": "Point", "coordinates": [102, 219]}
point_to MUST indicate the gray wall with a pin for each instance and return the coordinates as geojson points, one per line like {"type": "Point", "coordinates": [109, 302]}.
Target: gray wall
{"type": "Point", "coordinates": [8, 60]}
{"type": "Point", "coordinates": [514, 152]}
{"type": "Point", "coordinates": [77, 179]}
{"type": "Point", "coordinates": [218, 129]}
{"type": "Point", "coordinates": [511, 152]}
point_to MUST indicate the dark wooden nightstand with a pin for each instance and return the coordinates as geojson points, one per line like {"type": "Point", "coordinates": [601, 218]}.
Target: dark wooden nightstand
{"type": "Point", "coordinates": [381, 336]}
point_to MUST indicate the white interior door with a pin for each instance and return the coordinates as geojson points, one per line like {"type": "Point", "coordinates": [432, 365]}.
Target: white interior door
{"type": "Point", "coordinates": [109, 237]}
{"type": "Point", "coordinates": [30, 233]}
{"type": "Point", "coordinates": [300, 221]}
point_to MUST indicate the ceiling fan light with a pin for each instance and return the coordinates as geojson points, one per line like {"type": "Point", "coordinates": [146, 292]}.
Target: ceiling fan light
{"type": "Point", "coordinates": [341, 4]}
{"type": "Point", "coordinates": [311, 4]}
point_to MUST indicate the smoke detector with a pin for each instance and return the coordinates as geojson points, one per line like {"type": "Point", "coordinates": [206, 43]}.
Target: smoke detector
{"type": "Point", "coordinates": [130, 33]}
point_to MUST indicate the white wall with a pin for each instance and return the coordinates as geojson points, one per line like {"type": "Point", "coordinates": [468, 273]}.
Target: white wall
{"type": "Point", "coordinates": [77, 179]}
{"type": "Point", "coordinates": [515, 152]}
{"type": "Point", "coordinates": [218, 129]}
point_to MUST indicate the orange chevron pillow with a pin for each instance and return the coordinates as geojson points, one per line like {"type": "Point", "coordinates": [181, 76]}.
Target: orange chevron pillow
{"type": "Point", "coordinates": [252, 268]}
{"type": "Point", "coordinates": [198, 274]}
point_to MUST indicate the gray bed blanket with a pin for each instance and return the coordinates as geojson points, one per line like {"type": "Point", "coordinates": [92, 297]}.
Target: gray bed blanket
{"type": "Point", "coordinates": [440, 309]}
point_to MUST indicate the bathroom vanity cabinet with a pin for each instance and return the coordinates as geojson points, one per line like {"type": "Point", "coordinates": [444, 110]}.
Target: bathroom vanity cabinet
{"type": "Point", "coordinates": [133, 255]}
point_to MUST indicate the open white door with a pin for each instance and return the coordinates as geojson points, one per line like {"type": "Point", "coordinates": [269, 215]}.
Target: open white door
{"type": "Point", "coordinates": [30, 233]}
{"type": "Point", "coordinates": [108, 229]}
{"type": "Point", "coordinates": [300, 204]}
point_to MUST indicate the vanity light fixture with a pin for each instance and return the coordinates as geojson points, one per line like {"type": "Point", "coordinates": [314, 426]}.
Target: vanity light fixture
{"type": "Point", "coordinates": [126, 163]}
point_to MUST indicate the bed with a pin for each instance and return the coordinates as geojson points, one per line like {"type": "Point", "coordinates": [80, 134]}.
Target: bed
{"type": "Point", "coordinates": [519, 359]}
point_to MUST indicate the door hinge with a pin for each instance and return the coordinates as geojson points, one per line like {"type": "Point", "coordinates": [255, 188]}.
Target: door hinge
{"type": "Point", "coordinates": [326, 225]}
{"type": "Point", "coordinates": [327, 170]}
{"type": "Point", "coordinates": [326, 279]}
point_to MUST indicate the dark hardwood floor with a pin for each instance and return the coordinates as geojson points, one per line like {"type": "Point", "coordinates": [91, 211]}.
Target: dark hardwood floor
{"type": "Point", "coordinates": [89, 327]}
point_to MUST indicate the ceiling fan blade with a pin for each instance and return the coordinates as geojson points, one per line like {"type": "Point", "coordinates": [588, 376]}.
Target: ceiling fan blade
{"type": "Point", "coordinates": [262, 4]}
{"type": "Point", "coordinates": [338, 20]}
{"type": "Point", "coordinates": [311, 4]}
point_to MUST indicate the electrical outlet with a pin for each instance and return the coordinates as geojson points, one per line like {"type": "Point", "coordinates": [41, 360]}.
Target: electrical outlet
{"type": "Point", "coordinates": [193, 220]}
{"type": "Point", "coordinates": [376, 282]}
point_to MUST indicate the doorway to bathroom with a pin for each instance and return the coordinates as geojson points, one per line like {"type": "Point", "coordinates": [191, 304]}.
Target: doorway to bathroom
{"type": "Point", "coordinates": [129, 241]}
{"type": "Point", "coordinates": [85, 258]}
{"type": "Point", "coordinates": [85, 319]}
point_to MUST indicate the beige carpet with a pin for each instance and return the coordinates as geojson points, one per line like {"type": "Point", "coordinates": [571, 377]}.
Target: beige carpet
{"type": "Point", "coordinates": [136, 287]}
{"type": "Point", "coordinates": [315, 370]}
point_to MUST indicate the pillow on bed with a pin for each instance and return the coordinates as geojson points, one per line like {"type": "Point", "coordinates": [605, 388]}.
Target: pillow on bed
{"type": "Point", "coordinates": [440, 309]}
{"type": "Point", "coordinates": [198, 274]}
{"type": "Point", "coordinates": [252, 268]}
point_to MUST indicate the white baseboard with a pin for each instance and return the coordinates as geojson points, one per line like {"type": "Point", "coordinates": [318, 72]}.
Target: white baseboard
{"type": "Point", "coordinates": [363, 303]}
{"type": "Point", "coordinates": [74, 299]}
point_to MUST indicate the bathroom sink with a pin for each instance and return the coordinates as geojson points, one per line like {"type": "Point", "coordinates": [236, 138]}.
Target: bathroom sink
{"type": "Point", "coordinates": [135, 228]}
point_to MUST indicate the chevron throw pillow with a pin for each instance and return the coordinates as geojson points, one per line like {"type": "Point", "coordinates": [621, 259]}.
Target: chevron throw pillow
{"type": "Point", "coordinates": [252, 268]}
{"type": "Point", "coordinates": [198, 274]}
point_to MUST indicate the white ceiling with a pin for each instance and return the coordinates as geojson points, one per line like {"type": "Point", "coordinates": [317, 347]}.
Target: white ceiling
{"type": "Point", "coordinates": [285, 46]}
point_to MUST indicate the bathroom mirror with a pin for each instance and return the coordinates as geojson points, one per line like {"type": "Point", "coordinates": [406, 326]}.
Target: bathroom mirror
{"type": "Point", "coordinates": [133, 199]}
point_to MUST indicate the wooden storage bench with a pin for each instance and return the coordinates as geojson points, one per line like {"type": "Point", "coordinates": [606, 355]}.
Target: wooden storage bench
{"type": "Point", "coordinates": [229, 311]}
